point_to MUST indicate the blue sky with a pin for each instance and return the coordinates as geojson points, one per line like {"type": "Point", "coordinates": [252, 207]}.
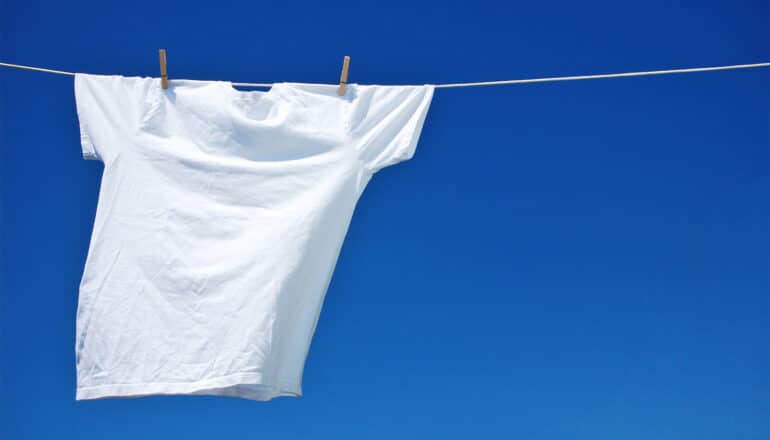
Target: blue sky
{"type": "Point", "coordinates": [584, 260]}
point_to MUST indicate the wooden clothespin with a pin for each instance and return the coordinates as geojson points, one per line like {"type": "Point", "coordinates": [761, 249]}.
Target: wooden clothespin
{"type": "Point", "coordinates": [344, 76]}
{"type": "Point", "coordinates": [163, 70]}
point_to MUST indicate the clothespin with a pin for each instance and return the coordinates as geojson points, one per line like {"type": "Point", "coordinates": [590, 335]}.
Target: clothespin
{"type": "Point", "coordinates": [163, 69]}
{"type": "Point", "coordinates": [344, 76]}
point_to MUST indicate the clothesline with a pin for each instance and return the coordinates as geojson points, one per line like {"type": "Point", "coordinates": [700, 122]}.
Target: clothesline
{"type": "Point", "coordinates": [489, 83]}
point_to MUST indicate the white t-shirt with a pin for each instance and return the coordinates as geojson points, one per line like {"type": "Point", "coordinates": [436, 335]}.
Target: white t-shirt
{"type": "Point", "coordinates": [221, 214]}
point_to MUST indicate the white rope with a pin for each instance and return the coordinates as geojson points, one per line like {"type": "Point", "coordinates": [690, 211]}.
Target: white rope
{"type": "Point", "coordinates": [493, 83]}
{"type": "Point", "coordinates": [606, 75]}
{"type": "Point", "coordinates": [38, 69]}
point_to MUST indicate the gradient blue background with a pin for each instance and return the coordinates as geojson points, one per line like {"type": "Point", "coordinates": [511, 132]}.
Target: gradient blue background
{"type": "Point", "coordinates": [584, 260]}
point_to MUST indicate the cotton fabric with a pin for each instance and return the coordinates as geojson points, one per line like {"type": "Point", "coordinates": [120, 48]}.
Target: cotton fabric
{"type": "Point", "coordinates": [220, 217]}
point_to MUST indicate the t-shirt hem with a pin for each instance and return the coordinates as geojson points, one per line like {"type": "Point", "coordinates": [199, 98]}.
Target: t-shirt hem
{"type": "Point", "coordinates": [247, 386]}
{"type": "Point", "coordinates": [88, 150]}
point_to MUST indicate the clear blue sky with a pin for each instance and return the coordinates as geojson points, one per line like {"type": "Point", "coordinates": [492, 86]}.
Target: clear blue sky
{"type": "Point", "coordinates": [584, 260]}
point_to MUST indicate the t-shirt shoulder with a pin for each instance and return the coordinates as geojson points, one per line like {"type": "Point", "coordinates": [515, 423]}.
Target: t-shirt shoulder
{"type": "Point", "coordinates": [108, 108]}
{"type": "Point", "coordinates": [386, 122]}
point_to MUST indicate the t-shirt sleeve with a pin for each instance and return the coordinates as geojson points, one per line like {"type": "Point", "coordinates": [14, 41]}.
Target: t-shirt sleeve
{"type": "Point", "coordinates": [109, 108]}
{"type": "Point", "coordinates": [386, 122]}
